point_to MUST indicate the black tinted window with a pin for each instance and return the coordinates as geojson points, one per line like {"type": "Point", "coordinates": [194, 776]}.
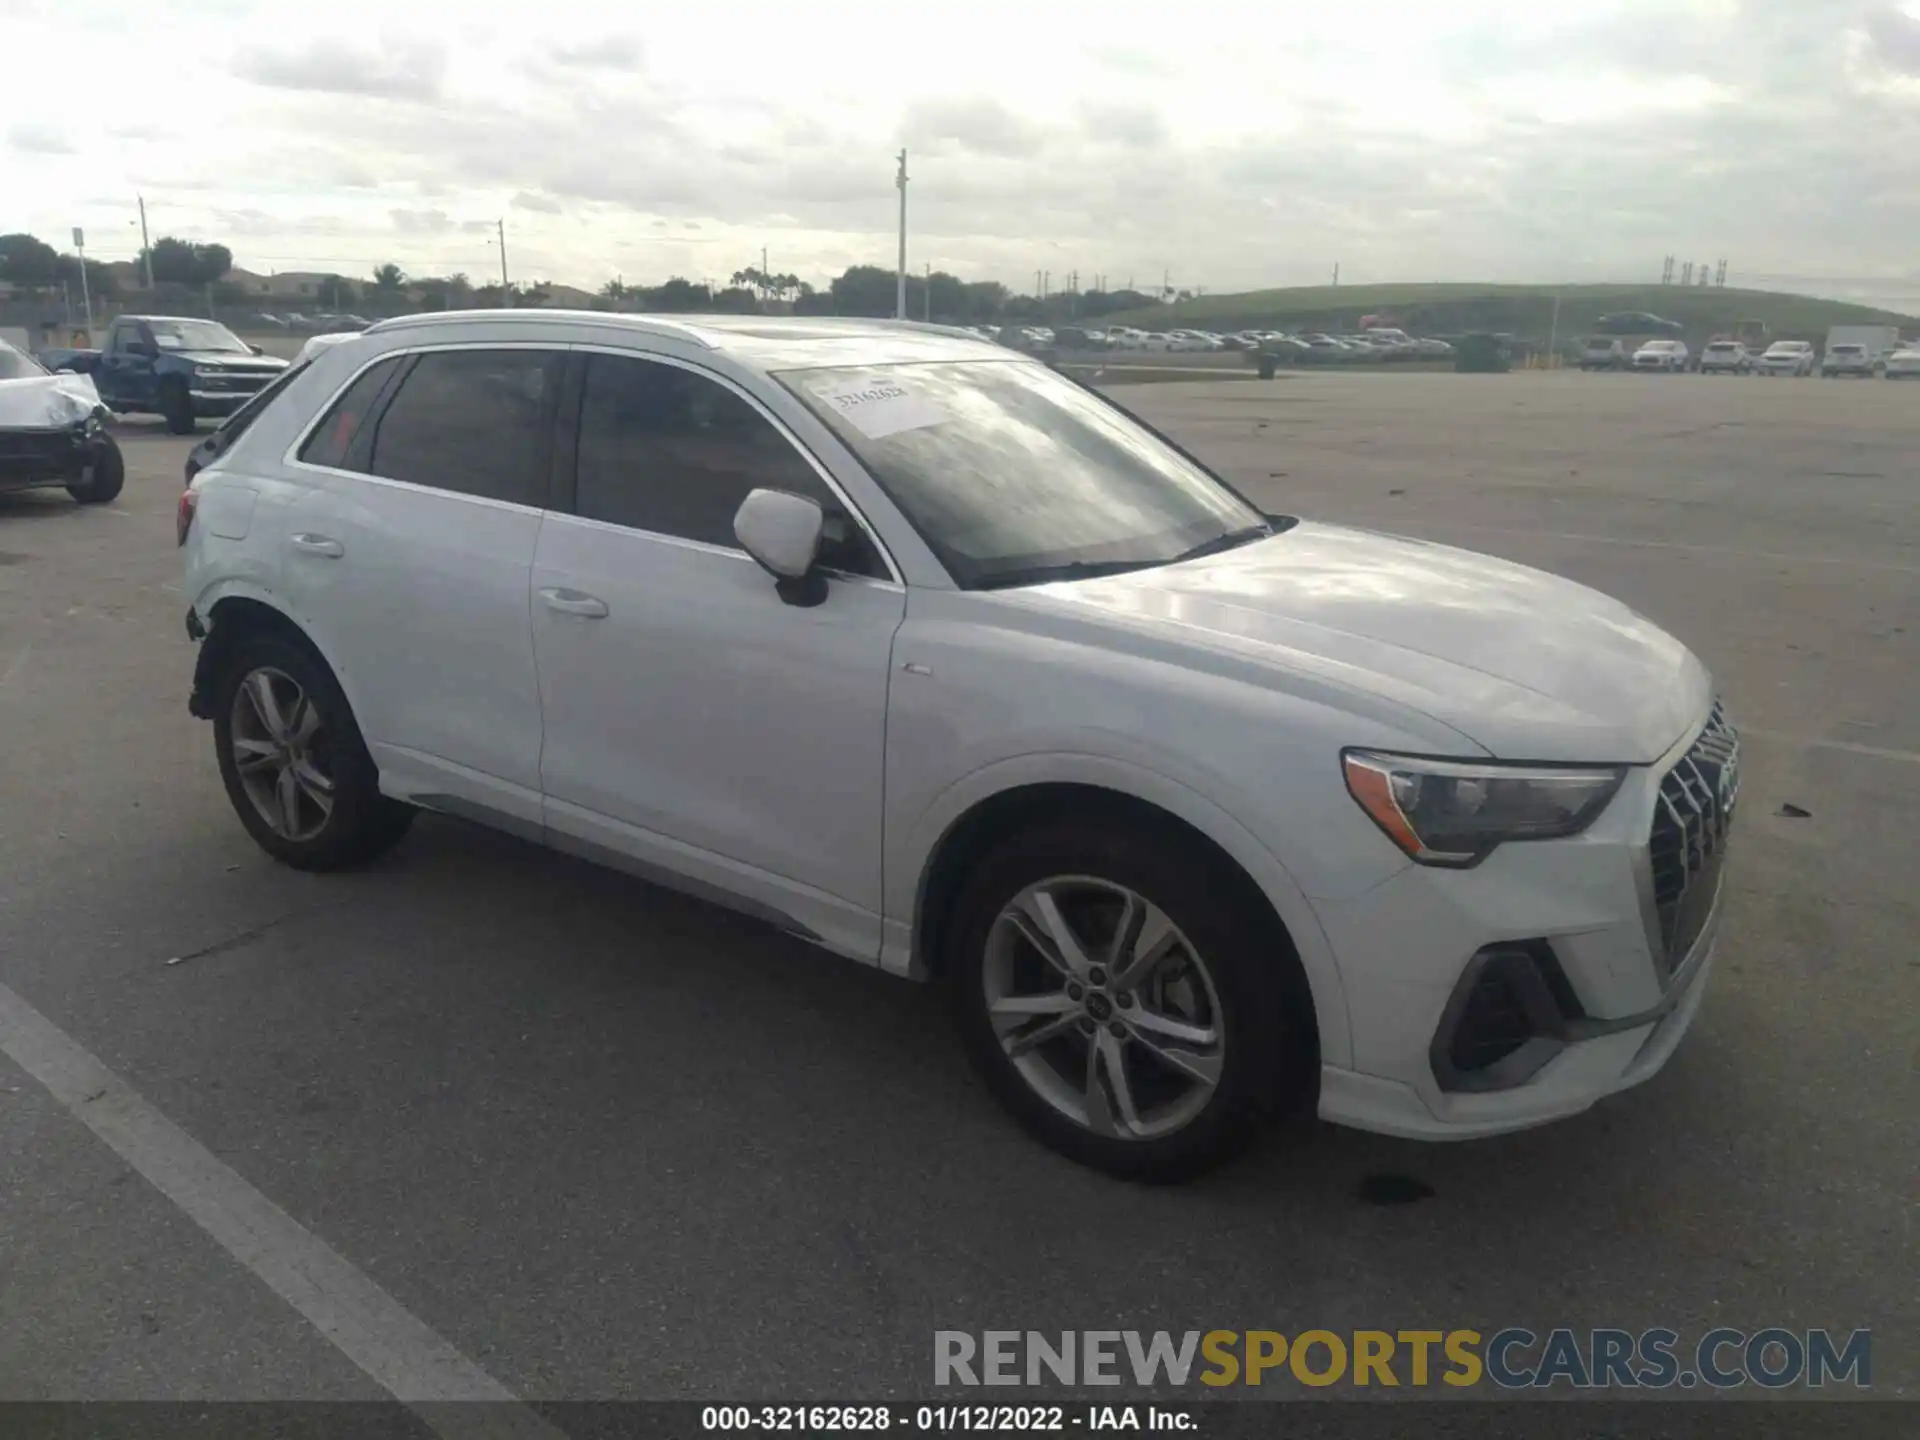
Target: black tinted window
{"type": "Point", "coordinates": [330, 441]}
{"type": "Point", "coordinates": [470, 421]}
{"type": "Point", "coordinates": [666, 450]}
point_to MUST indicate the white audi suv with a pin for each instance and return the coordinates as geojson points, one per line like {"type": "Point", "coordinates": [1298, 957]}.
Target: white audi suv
{"type": "Point", "coordinates": [927, 654]}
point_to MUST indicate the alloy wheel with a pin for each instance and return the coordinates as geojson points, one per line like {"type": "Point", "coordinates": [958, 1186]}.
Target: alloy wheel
{"type": "Point", "coordinates": [1104, 1008]}
{"type": "Point", "coordinates": [282, 754]}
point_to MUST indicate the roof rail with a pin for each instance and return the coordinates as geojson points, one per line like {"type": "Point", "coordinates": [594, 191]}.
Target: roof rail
{"type": "Point", "coordinates": [617, 320]}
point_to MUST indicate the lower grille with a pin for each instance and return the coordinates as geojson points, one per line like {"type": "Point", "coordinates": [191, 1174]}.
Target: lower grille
{"type": "Point", "coordinates": [1691, 823]}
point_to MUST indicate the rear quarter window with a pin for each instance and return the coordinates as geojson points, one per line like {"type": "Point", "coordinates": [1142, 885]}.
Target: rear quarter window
{"type": "Point", "coordinates": [333, 437]}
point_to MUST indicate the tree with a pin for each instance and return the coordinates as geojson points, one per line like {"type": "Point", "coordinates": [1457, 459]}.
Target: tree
{"type": "Point", "coordinates": [388, 278]}
{"type": "Point", "coordinates": [183, 262]}
{"type": "Point", "coordinates": [28, 261]}
{"type": "Point", "coordinates": [738, 300]}
{"type": "Point", "coordinates": [336, 292]}
{"type": "Point", "coordinates": [677, 296]}
{"type": "Point", "coordinates": [985, 299]}
{"type": "Point", "coordinates": [864, 290]}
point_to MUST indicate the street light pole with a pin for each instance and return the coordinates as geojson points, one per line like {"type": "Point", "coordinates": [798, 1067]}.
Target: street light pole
{"type": "Point", "coordinates": [146, 246]}
{"type": "Point", "coordinates": [506, 295]}
{"type": "Point", "coordinates": [86, 298]}
{"type": "Point", "coordinates": [900, 279]}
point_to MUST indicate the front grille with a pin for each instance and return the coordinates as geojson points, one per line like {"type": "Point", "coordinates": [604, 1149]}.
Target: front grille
{"type": "Point", "coordinates": [1691, 823]}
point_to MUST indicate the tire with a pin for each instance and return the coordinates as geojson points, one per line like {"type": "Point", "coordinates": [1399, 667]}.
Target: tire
{"type": "Point", "coordinates": [1228, 972]}
{"type": "Point", "coordinates": [339, 817]}
{"type": "Point", "coordinates": [176, 408]}
{"type": "Point", "coordinates": [109, 475]}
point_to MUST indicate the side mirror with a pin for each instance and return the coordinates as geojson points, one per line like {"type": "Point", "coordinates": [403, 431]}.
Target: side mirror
{"type": "Point", "coordinates": [143, 349]}
{"type": "Point", "coordinates": [256, 349]}
{"type": "Point", "coordinates": [782, 532]}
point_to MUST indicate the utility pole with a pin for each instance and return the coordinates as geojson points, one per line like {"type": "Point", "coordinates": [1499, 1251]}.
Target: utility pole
{"type": "Point", "coordinates": [506, 295]}
{"type": "Point", "coordinates": [1553, 334]}
{"type": "Point", "coordinates": [86, 298]}
{"type": "Point", "coordinates": [900, 278]}
{"type": "Point", "coordinates": [146, 246]}
{"type": "Point", "coordinates": [928, 308]}
{"type": "Point", "coordinates": [1336, 274]}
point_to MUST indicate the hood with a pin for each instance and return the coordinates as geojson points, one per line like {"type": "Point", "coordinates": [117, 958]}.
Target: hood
{"type": "Point", "coordinates": [1526, 664]}
{"type": "Point", "coordinates": [44, 402]}
{"type": "Point", "coordinates": [227, 360]}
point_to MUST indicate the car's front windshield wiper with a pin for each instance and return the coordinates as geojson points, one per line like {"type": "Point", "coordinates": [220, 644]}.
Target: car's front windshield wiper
{"type": "Point", "coordinates": [1233, 539]}
{"type": "Point", "coordinates": [1065, 570]}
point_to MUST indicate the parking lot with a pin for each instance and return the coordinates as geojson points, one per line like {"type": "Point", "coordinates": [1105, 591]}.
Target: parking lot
{"type": "Point", "coordinates": [605, 1141]}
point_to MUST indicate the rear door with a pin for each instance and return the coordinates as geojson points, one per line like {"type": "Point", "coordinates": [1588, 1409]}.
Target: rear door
{"type": "Point", "coordinates": [410, 555]}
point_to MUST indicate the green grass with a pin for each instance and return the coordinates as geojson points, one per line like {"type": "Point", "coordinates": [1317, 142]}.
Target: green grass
{"type": "Point", "coordinates": [1525, 310]}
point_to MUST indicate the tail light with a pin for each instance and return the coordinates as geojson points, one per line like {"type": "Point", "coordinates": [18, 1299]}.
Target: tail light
{"type": "Point", "coordinates": [183, 516]}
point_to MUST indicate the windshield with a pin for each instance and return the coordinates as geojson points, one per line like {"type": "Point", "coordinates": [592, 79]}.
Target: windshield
{"type": "Point", "coordinates": [1723, 346]}
{"type": "Point", "coordinates": [1849, 349]}
{"type": "Point", "coordinates": [195, 335]}
{"type": "Point", "coordinates": [1787, 347]}
{"type": "Point", "coordinates": [1660, 347]}
{"type": "Point", "coordinates": [14, 365]}
{"type": "Point", "coordinates": [1014, 475]}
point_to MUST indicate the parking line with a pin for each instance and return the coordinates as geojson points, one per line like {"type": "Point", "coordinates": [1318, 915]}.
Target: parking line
{"type": "Point", "coordinates": [1846, 747]}
{"type": "Point", "coordinates": [453, 1395]}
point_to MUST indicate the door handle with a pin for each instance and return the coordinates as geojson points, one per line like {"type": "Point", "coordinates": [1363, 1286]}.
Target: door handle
{"type": "Point", "coordinates": [572, 602]}
{"type": "Point", "coordinates": [318, 545]}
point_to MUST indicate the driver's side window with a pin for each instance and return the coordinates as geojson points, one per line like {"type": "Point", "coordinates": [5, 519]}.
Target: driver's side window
{"type": "Point", "coordinates": [666, 450]}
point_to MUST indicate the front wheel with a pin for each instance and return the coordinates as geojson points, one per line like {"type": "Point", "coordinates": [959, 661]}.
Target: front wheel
{"type": "Point", "coordinates": [101, 481]}
{"type": "Point", "coordinates": [176, 408]}
{"type": "Point", "coordinates": [1128, 1001]}
{"type": "Point", "coordinates": [295, 768]}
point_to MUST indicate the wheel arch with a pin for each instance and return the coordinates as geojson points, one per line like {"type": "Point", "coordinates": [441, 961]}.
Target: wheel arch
{"type": "Point", "coordinates": [232, 614]}
{"type": "Point", "coordinates": [978, 814]}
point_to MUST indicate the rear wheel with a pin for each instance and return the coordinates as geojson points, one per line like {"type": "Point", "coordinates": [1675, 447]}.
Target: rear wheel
{"type": "Point", "coordinates": [104, 476]}
{"type": "Point", "coordinates": [296, 770]}
{"type": "Point", "coordinates": [1126, 1000]}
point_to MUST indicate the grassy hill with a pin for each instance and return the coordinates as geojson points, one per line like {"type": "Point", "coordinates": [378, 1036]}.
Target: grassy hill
{"type": "Point", "coordinates": [1525, 310]}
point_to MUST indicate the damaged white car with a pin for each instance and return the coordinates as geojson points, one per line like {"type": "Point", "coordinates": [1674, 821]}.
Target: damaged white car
{"type": "Point", "coordinates": [53, 432]}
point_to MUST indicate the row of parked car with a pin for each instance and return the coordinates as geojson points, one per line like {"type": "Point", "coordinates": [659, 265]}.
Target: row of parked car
{"type": "Point", "coordinates": [1731, 357]}
{"type": "Point", "coordinates": [324, 324]}
{"type": "Point", "coordinates": [1371, 345]}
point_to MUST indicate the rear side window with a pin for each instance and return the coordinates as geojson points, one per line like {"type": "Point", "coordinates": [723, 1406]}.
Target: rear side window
{"type": "Point", "coordinates": [333, 438]}
{"type": "Point", "coordinates": [473, 422]}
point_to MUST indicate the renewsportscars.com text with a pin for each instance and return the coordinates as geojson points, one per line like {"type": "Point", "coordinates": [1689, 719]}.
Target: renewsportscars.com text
{"type": "Point", "coordinates": [1510, 1359]}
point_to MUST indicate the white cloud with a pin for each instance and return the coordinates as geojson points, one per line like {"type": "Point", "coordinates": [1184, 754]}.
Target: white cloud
{"type": "Point", "coordinates": [1491, 139]}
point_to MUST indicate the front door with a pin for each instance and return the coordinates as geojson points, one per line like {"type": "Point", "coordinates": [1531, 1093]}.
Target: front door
{"type": "Point", "coordinates": [124, 377]}
{"type": "Point", "coordinates": [695, 723]}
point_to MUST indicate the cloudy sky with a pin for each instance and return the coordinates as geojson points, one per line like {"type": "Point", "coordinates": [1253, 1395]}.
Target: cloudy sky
{"type": "Point", "coordinates": [1228, 144]}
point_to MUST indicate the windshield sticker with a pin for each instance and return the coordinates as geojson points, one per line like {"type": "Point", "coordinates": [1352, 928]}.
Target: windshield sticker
{"type": "Point", "coordinates": [882, 408]}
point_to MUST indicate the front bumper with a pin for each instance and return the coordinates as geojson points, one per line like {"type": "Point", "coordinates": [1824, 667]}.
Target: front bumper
{"type": "Point", "coordinates": [219, 402]}
{"type": "Point", "coordinates": [50, 456]}
{"type": "Point", "coordinates": [1620, 965]}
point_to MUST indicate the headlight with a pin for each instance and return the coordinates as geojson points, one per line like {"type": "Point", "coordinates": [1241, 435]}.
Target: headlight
{"type": "Point", "coordinates": [1455, 812]}
{"type": "Point", "coordinates": [202, 372]}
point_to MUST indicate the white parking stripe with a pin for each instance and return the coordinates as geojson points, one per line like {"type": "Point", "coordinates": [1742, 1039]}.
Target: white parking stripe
{"type": "Point", "coordinates": [452, 1394]}
{"type": "Point", "coordinates": [1846, 747]}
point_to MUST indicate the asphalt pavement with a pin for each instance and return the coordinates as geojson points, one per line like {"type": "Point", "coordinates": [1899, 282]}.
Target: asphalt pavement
{"type": "Point", "coordinates": [608, 1142]}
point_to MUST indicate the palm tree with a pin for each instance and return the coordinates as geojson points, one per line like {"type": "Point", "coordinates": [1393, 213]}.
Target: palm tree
{"type": "Point", "coordinates": [389, 277]}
